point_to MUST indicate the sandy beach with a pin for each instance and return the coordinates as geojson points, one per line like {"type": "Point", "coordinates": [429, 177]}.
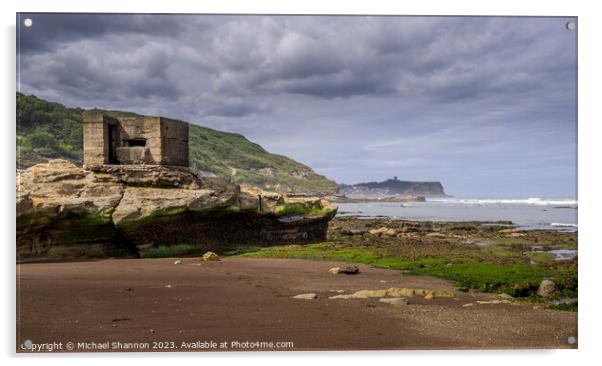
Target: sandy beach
{"type": "Point", "coordinates": [173, 307]}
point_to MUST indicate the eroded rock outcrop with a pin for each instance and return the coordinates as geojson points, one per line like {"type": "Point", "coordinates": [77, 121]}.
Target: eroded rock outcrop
{"type": "Point", "coordinates": [64, 211]}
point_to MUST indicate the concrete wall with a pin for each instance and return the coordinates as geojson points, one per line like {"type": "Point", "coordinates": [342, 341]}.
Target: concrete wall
{"type": "Point", "coordinates": [166, 140]}
{"type": "Point", "coordinates": [96, 138]}
{"type": "Point", "coordinates": [174, 142]}
{"type": "Point", "coordinates": [146, 128]}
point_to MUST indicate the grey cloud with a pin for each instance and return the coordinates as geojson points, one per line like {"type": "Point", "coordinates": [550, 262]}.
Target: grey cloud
{"type": "Point", "coordinates": [437, 89]}
{"type": "Point", "coordinates": [234, 108]}
{"type": "Point", "coordinates": [51, 30]}
{"type": "Point", "coordinates": [446, 59]}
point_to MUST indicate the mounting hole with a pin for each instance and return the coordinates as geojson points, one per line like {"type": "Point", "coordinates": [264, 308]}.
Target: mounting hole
{"type": "Point", "coordinates": [570, 26]}
{"type": "Point", "coordinates": [28, 22]}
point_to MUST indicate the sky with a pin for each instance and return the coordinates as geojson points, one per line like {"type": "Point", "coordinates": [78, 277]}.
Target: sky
{"type": "Point", "coordinates": [485, 105]}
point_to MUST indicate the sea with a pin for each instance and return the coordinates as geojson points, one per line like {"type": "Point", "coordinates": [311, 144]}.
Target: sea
{"type": "Point", "coordinates": [533, 213]}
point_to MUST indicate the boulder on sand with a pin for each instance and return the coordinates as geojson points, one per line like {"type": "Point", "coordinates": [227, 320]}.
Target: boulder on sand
{"type": "Point", "coordinates": [210, 257]}
{"type": "Point", "coordinates": [546, 288]}
{"type": "Point", "coordinates": [344, 270]}
{"type": "Point", "coordinates": [383, 231]}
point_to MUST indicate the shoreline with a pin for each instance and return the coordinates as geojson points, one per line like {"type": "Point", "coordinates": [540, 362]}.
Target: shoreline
{"type": "Point", "coordinates": [492, 273]}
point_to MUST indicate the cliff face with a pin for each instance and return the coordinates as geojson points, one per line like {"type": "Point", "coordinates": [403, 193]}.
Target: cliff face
{"type": "Point", "coordinates": [393, 187]}
{"type": "Point", "coordinates": [64, 211]}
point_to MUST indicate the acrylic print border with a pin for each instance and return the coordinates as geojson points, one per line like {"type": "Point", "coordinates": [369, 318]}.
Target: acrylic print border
{"type": "Point", "coordinates": [583, 204]}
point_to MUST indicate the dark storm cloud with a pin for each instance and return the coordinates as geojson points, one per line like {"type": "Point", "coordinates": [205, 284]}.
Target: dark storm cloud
{"type": "Point", "coordinates": [55, 29]}
{"type": "Point", "coordinates": [446, 59]}
{"type": "Point", "coordinates": [422, 96]}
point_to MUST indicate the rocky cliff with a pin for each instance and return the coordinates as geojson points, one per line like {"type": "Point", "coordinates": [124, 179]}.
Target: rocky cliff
{"type": "Point", "coordinates": [64, 211]}
{"type": "Point", "coordinates": [393, 187]}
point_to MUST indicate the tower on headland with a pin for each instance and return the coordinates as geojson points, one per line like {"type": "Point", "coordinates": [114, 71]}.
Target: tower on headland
{"type": "Point", "coordinates": [135, 141]}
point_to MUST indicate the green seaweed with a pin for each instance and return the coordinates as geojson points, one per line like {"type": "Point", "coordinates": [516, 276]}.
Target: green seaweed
{"type": "Point", "coordinates": [301, 209]}
{"type": "Point", "coordinates": [517, 279]}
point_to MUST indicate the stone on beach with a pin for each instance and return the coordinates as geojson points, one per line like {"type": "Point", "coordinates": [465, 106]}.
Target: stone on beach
{"type": "Point", "coordinates": [308, 296]}
{"type": "Point", "coordinates": [383, 231]}
{"type": "Point", "coordinates": [493, 302]}
{"type": "Point", "coordinates": [344, 270]}
{"type": "Point", "coordinates": [177, 262]}
{"type": "Point", "coordinates": [210, 257]}
{"type": "Point", "coordinates": [395, 292]}
{"type": "Point", "coordinates": [410, 292]}
{"type": "Point", "coordinates": [394, 300]}
{"type": "Point", "coordinates": [546, 288]}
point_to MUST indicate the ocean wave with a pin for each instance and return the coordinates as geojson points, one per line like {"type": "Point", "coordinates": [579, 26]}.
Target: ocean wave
{"type": "Point", "coordinates": [560, 224]}
{"type": "Point", "coordinates": [535, 201]}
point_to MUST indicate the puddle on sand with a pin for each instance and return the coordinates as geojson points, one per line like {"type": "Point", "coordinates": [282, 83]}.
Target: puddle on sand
{"type": "Point", "coordinates": [564, 254]}
{"type": "Point", "coordinates": [563, 301]}
{"type": "Point", "coordinates": [559, 254]}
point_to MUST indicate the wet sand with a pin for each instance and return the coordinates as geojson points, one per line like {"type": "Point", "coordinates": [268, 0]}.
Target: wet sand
{"type": "Point", "coordinates": [165, 305]}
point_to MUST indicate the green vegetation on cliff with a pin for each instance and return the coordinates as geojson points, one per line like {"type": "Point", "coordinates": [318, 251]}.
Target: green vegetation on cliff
{"type": "Point", "coordinates": [47, 130]}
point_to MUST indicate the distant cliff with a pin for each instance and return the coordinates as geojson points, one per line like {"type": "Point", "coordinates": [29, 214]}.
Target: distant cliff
{"type": "Point", "coordinates": [393, 187]}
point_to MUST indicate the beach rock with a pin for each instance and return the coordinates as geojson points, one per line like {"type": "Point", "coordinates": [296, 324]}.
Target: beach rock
{"type": "Point", "coordinates": [395, 300]}
{"type": "Point", "coordinates": [493, 302]}
{"type": "Point", "coordinates": [350, 270]}
{"type": "Point", "coordinates": [308, 296]}
{"type": "Point", "coordinates": [345, 270]}
{"type": "Point", "coordinates": [546, 288]}
{"type": "Point", "coordinates": [400, 292]}
{"type": "Point", "coordinates": [429, 296]}
{"type": "Point", "coordinates": [435, 235]}
{"type": "Point", "coordinates": [390, 232]}
{"type": "Point", "coordinates": [210, 257]}
{"type": "Point", "coordinates": [177, 262]}
{"type": "Point", "coordinates": [409, 292]}
{"type": "Point", "coordinates": [134, 208]}
{"type": "Point", "coordinates": [505, 296]}
{"type": "Point", "coordinates": [364, 294]}
{"type": "Point", "coordinates": [383, 231]}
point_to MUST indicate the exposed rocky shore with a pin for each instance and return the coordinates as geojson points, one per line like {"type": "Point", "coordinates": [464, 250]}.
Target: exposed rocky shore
{"type": "Point", "coordinates": [493, 257]}
{"type": "Point", "coordinates": [64, 211]}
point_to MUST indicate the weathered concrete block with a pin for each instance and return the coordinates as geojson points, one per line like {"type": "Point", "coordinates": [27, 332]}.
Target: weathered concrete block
{"type": "Point", "coordinates": [135, 140]}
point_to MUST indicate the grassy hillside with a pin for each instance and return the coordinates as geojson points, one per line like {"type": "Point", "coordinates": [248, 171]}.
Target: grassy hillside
{"type": "Point", "coordinates": [48, 130]}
